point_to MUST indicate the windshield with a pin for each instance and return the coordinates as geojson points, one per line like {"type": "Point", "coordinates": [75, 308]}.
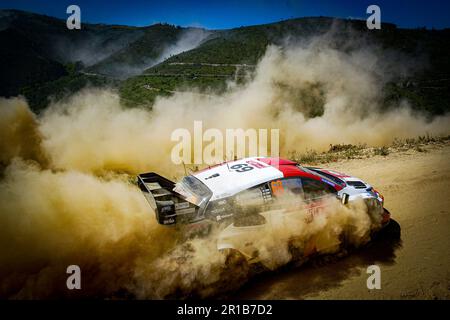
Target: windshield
{"type": "Point", "coordinates": [193, 190]}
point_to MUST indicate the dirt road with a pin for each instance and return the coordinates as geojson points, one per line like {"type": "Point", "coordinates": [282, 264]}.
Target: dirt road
{"type": "Point", "coordinates": [416, 186]}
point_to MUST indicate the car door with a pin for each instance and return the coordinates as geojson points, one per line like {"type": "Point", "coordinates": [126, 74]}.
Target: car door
{"type": "Point", "coordinates": [315, 193]}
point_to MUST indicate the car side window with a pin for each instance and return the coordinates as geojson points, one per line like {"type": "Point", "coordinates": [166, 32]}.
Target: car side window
{"type": "Point", "coordinates": [293, 185]}
{"type": "Point", "coordinates": [248, 206]}
{"type": "Point", "coordinates": [257, 195]}
{"type": "Point", "coordinates": [316, 189]}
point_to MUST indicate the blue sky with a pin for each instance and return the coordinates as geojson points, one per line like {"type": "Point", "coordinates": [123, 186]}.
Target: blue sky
{"type": "Point", "coordinates": [228, 14]}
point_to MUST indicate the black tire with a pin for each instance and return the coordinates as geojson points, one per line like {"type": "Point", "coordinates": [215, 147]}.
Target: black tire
{"type": "Point", "coordinates": [392, 231]}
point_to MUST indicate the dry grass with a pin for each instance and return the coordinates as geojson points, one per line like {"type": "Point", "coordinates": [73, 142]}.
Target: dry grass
{"type": "Point", "coordinates": [349, 151]}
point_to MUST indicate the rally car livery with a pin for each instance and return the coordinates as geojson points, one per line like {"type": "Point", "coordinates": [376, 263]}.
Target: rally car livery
{"type": "Point", "coordinates": [243, 196]}
{"type": "Point", "coordinates": [220, 192]}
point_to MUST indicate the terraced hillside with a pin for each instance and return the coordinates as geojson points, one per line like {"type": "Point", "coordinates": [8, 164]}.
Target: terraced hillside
{"type": "Point", "coordinates": [233, 54]}
{"type": "Point", "coordinates": [42, 59]}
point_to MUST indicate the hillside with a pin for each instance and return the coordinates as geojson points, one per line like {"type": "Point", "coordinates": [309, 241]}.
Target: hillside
{"type": "Point", "coordinates": [233, 53]}
{"type": "Point", "coordinates": [36, 51]}
{"type": "Point", "coordinates": [23, 64]}
{"type": "Point", "coordinates": [53, 40]}
{"type": "Point", "coordinates": [41, 58]}
{"type": "Point", "coordinates": [157, 43]}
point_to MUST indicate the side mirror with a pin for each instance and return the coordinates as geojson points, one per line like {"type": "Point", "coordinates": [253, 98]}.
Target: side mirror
{"type": "Point", "coordinates": [344, 199]}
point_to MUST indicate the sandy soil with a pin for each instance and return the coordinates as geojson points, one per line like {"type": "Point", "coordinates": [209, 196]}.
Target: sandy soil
{"type": "Point", "coordinates": [416, 186]}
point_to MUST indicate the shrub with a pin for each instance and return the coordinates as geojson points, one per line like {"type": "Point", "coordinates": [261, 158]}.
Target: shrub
{"type": "Point", "coordinates": [381, 151]}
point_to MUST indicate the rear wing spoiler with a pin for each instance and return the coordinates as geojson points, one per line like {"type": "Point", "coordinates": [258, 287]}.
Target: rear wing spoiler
{"type": "Point", "coordinates": [170, 207]}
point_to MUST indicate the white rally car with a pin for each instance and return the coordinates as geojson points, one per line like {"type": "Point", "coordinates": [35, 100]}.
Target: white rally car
{"type": "Point", "coordinates": [235, 194]}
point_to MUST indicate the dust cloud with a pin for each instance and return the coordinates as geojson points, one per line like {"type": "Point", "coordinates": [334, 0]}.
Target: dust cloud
{"type": "Point", "coordinates": [197, 269]}
{"type": "Point", "coordinates": [187, 40]}
{"type": "Point", "coordinates": [66, 195]}
{"type": "Point", "coordinates": [18, 131]}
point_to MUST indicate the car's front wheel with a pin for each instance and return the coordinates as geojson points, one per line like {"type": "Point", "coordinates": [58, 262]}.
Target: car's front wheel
{"type": "Point", "coordinates": [392, 231]}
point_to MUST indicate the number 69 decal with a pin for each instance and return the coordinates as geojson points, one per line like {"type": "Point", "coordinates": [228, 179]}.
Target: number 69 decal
{"type": "Point", "coordinates": [241, 167]}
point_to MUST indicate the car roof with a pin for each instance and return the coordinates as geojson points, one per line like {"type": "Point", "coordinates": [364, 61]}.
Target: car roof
{"type": "Point", "coordinates": [229, 178]}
